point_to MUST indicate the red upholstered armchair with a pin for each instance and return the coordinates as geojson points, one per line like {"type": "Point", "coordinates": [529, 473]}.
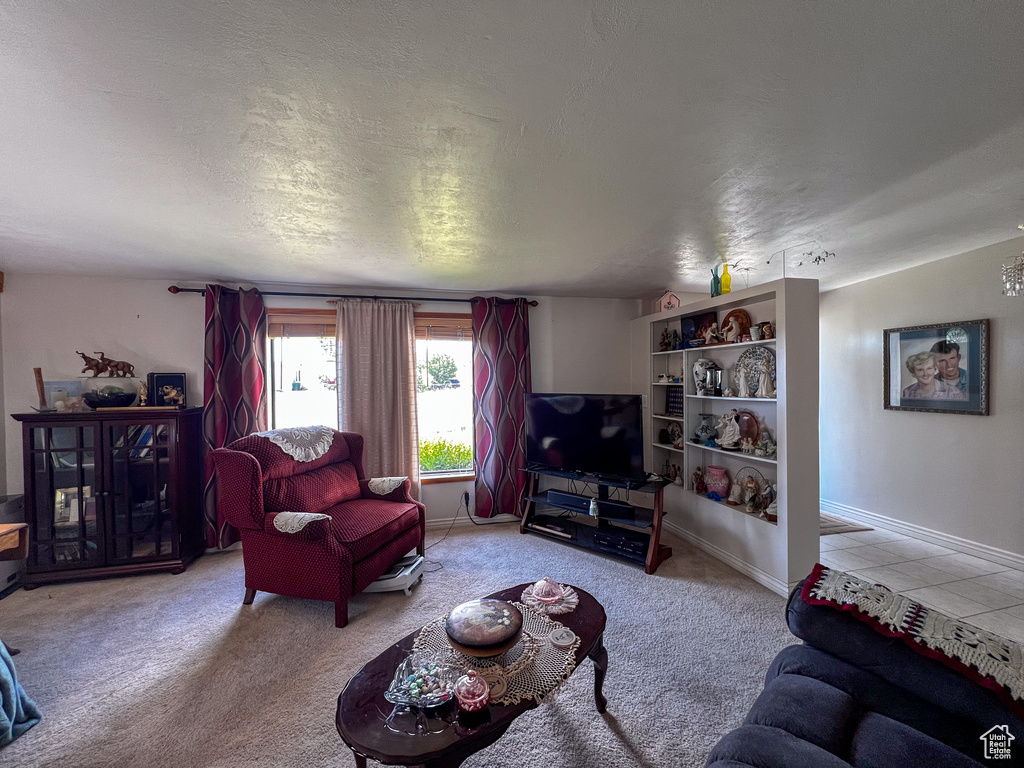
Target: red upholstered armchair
{"type": "Point", "coordinates": [312, 525]}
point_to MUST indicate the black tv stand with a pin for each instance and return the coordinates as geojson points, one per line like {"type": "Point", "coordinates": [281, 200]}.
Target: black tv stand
{"type": "Point", "coordinates": [631, 533]}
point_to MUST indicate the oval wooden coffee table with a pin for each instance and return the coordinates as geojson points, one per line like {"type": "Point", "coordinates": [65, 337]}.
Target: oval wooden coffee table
{"type": "Point", "coordinates": [362, 708]}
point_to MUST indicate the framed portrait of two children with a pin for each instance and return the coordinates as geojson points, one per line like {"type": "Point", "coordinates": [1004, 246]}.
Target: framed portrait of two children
{"type": "Point", "coordinates": [940, 368]}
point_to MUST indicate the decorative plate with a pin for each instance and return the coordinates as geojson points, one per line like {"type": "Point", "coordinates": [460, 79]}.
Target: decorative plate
{"type": "Point", "coordinates": [749, 427]}
{"type": "Point", "coordinates": [675, 431]}
{"type": "Point", "coordinates": [745, 472]}
{"type": "Point", "coordinates": [751, 360]}
{"type": "Point", "coordinates": [484, 627]}
{"type": "Point", "coordinates": [742, 319]}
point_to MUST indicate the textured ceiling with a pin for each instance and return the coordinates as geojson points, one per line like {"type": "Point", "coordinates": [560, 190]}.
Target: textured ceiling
{"type": "Point", "coordinates": [605, 148]}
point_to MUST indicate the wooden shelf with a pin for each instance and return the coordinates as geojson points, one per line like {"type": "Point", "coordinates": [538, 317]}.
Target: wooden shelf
{"type": "Point", "coordinates": [738, 454]}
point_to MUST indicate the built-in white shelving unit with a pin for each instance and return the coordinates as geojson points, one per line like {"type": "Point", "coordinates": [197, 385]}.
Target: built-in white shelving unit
{"type": "Point", "coordinates": [777, 554]}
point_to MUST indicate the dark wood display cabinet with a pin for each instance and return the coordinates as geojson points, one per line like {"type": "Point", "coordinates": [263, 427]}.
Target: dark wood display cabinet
{"type": "Point", "coordinates": [111, 493]}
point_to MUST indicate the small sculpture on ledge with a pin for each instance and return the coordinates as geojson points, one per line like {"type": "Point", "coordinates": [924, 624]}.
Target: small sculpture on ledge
{"type": "Point", "coordinates": [729, 430]}
{"type": "Point", "coordinates": [104, 364]}
{"type": "Point", "coordinates": [91, 364]}
{"type": "Point", "coordinates": [699, 487]}
{"type": "Point", "coordinates": [712, 335]}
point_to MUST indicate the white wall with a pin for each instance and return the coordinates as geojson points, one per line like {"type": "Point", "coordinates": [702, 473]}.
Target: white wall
{"type": "Point", "coordinates": [44, 319]}
{"type": "Point", "coordinates": [581, 345]}
{"type": "Point", "coordinates": [956, 474]}
{"type": "Point", "coordinates": [577, 345]}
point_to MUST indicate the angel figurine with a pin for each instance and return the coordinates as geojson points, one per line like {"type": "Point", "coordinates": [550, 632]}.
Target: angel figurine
{"type": "Point", "coordinates": [765, 385]}
{"type": "Point", "coordinates": [742, 387]}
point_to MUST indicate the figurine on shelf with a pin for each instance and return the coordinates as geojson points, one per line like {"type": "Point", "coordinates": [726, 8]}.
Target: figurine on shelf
{"type": "Point", "coordinates": [747, 445]}
{"type": "Point", "coordinates": [742, 386]}
{"type": "Point", "coordinates": [765, 385]}
{"type": "Point", "coordinates": [116, 367]}
{"type": "Point", "coordinates": [768, 332]}
{"type": "Point", "coordinates": [712, 335]}
{"type": "Point", "coordinates": [675, 341]}
{"type": "Point", "coordinates": [735, 495]}
{"type": "Point", "coordinates": [729, 430]}
{"type": "Point", "coordinates": [92, 364]}
{"type": "Point", "coordinates": [143, 393]}
{"type": "Point", "coordinates": [699, 487]}
{"type": "Point", "coordinates": [666, 339]}
{"type": "Point", "coordinates": [771, 512]}
{"type": "Point", "coordinates": [750, 489]}
{"type": "Point", "coordinates": [734, 330]}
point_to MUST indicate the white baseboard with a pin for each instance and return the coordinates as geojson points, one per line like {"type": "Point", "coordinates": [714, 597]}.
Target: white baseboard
{"type": "Point", "coordinates": [751, 572]}
{"type": "Point", "coordinates": [996, 555]}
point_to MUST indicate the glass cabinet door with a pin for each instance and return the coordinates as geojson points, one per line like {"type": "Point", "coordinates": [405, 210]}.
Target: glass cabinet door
{"type": "Point", "coordinates": [139, 490]}
{"type": "Point", "coordinates": [66, 523]}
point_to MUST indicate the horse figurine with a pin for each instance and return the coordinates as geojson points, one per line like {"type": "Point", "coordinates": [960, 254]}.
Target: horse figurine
{"type": "Point", "coordinates": [92, 364]}
{"type": "Point", "coordinates": [117, 367]}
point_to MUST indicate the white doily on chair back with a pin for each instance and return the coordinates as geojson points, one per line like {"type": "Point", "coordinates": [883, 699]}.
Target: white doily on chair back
{"type": "Point", "coordinates": [301, 443]}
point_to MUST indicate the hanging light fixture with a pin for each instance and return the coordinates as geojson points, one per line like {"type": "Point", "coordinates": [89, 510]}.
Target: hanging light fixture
{"type": "Point", "coordinates": [1013, 275]}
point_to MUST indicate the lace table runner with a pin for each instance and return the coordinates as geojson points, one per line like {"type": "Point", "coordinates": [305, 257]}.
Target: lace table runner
{"type": "Point", "coordinates": [514, 676]}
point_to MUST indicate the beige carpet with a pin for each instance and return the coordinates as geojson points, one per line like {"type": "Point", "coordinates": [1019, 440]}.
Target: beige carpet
{"type": "Point", "coordinates": [165, 670]}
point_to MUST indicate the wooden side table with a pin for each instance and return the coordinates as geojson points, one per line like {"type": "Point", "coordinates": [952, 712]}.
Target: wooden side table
{"type": "Point", "coordinates": [13, 541]}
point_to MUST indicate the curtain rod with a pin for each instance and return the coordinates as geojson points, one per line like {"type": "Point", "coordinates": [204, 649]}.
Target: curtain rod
{"type": "Point", "coordinates": [175, 289]}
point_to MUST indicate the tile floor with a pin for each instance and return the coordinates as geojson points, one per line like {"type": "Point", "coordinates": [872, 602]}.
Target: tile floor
{"type": "Point", "coordinates": [986, 594]}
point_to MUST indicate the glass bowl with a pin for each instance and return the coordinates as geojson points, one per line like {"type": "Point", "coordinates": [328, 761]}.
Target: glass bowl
{"type": "Point", "coordinates": [423, 679]}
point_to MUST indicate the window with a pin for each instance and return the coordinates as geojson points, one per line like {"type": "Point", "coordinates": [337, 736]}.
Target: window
{"type": "Point", "coordinates": [304, 389]}
{"type": "Point", "coordinates": [303, 367]}
{"type": "Point", "coordinates": [444, 400]}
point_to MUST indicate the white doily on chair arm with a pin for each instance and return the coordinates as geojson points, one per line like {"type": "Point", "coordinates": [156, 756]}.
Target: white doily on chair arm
{"type": "Point", "coordinates": [382, 486]}
{"type": "Point", "coordinates": [294, 522]}
{"type": "Point", "coordinates": [301, 443]}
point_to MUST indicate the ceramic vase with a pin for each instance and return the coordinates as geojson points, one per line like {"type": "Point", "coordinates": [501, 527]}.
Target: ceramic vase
{"type": "Point", "coordinates": [717, 481]}
{"type": "Point", "coordinates": [705, 431]}
{"type": "Point", "coordinates": [700, 376]}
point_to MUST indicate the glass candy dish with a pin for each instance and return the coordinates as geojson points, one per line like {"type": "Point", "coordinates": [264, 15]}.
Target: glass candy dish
{"type": "Point", "coordinates": [548, 591]}
{"type": "Point", "coordinates": [422, 680]}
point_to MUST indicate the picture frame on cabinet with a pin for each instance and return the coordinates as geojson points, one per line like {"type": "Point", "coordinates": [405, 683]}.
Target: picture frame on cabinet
{"type": "Point", "coordinates": [167, 389]}
{"type": "Point", "coordinates": [937, 368]}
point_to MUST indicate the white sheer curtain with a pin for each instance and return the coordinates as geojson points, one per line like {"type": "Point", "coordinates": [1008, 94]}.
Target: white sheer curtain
{"type": "Point", "coordinates": [377, 384]}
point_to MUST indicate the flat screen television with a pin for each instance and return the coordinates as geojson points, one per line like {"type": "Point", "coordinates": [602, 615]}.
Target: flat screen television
{"type": "Point", "coordinates": [593, 434]}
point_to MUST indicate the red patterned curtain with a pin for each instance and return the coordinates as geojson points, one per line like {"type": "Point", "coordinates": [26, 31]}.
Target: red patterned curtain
{"type": "Point", "coordinates": [501, 379]}
{"type": "Point", "coordinates": [234, 386]}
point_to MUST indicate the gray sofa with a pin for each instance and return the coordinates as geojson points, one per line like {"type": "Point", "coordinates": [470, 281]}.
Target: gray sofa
{"type": "Point", "coordinates": [850, 696]}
